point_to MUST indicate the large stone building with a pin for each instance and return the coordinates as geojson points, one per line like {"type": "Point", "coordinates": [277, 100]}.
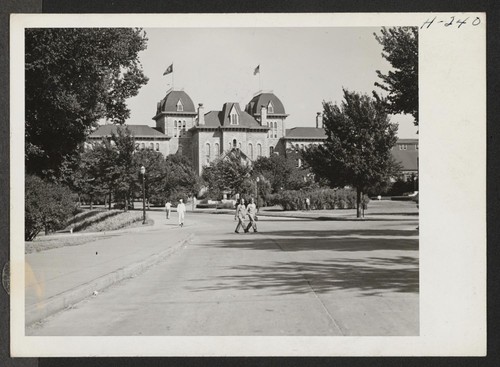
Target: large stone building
{"type": "Point", "coordinates": [257, 130]}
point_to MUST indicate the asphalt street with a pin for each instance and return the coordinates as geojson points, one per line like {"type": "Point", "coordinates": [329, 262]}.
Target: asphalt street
{"type": "Point", "coordinates": [294, 277]}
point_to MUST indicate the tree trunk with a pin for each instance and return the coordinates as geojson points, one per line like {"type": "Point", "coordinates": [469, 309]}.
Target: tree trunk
{"type": "Point", "coordinates": [358, 202]}
{"type": "Point", "coordinates": [91, 201]}
{"type": "Point", "coordinates": [109, 202]}
{"type": "Point", "coordinates": [126, 202]}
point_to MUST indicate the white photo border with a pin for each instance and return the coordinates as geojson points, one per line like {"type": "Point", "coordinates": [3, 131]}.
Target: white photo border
{"type": "Point", "coordinates": [452, 158]}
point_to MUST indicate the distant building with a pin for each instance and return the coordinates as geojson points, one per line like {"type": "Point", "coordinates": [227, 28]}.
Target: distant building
{"type": "Point", "coordinates": [406, 153]}
{"type": "Point", "coordinates": [257, 130]}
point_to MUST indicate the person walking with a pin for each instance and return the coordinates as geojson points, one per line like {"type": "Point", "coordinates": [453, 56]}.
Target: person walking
{"type": "Point", "coordinates": [252, 215]}
{"type": "Point", "coordinates": [168, 208]}
{"type": "Point", "coordinates": [181, 209]}
{"type": "Point", "coordinates": [240, 216]}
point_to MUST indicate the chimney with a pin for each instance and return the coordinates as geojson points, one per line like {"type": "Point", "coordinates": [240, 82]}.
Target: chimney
{"type": "Point", "coordinates": [319, 120]}
{"type": "Point", "coordinates": [201, 114]}
{"type": "Point", "coordinates": [263, 115]}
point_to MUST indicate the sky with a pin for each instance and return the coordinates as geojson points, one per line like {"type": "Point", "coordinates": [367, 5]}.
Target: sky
{"type": "Point", "coordinates": [302, 66]}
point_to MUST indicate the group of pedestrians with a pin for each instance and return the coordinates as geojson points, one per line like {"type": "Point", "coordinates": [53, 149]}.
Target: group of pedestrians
{"type": "Point", "coordinates": [181, 210]}
{"type": "Point", "coordinates": [242, 212]}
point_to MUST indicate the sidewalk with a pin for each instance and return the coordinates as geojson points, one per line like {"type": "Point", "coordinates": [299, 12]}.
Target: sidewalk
{"type": "Point", "coordinates": [60, 277]}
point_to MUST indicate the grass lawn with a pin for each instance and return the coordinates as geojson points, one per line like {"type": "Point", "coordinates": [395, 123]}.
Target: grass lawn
{"type": "Point", "coordinates": [87, 227]}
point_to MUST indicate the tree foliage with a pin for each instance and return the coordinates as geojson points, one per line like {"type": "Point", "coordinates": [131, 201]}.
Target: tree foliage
{"type": "Point", "coordinates": [112, 167]}
{"type": "Point", "coordinates": [47, 206]}
{"type": "Point", "coordinates": [282, 172]}
{"type": "Point", "coordinates": [154, 163]}
{"type": "Point", "coordinates": [400, 48]}
{"type": "Point", "coordinates": [180, 180]}
{"type": "Point", "coordinates": [75, 77]}
{"type": "Point", "coordinates": [357, 151]}
{"type": "Point", "coordinates": [227, 174]}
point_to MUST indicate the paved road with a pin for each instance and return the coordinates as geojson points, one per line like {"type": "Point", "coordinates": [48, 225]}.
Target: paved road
{"type": "Point", "coordinates": [294, 277]}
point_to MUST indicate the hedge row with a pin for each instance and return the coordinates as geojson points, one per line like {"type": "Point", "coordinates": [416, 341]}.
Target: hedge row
{"type": "Point", "coordinates": [319, 199]}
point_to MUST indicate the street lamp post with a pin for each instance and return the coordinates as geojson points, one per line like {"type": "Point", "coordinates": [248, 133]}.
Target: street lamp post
{"type": "Point", "coordinates": [143, 174]}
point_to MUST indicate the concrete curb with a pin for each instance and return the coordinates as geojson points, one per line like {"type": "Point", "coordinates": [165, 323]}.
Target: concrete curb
{"type": "Point", "coordinates": [63, 300]}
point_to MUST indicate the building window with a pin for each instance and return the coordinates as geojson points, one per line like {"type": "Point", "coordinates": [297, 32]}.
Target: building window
{"type": "Point", "coordinates": [175, 129]}
{"type": "Point", "coordinates": [259, 150]}
{"type": "Point", "coordinates": [403, 147]}
{"type": "Point", "coordinates": [151, 146]}
{"type": "Point", "coordinates": [269, 130]}
{"type": "Point", "coordinates": [217, 151]}
{"type": "Point", "coordinates": [180, 107]}
{"type": "Point", "coordinates": [157, 147]}
{"type": "Point", "coordinates": [250, 150]}
{"type": "Point", "coordinates": [234, 119]}
{"type": "Point", "coordinates": [234, 143]}
{"type": "Point", "coordinates": [143, 146]}
{"type": "Point", "coordinates": [207, 153]}
{"type": "Point", "coordinates": [270, 107]}
{"type": "Point", "coordinates": [184, 127]}
{"type": "Point", "coordinates": [271, 150]}
{"type": "Point", "coordinates": [275, 129]}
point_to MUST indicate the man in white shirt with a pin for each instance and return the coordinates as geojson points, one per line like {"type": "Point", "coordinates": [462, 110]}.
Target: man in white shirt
{"type": "Point", "coordinates": [168, 208]}
{"type": "Point", "coordinates": [181, 209]}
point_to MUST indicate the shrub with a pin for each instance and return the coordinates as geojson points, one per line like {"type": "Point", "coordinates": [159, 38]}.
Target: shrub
{"type": "Point", "coordinates": [47, 206]}
{"type": "Point", "coordinates": [319, 199]}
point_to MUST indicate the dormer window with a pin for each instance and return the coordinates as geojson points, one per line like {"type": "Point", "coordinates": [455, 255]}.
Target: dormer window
{"type": "Point", "coordinates": [233, 115]}
{"type": "Point", "coordinates": [270, 107]}
{"type": "Point", "coordinates": [180, 107]}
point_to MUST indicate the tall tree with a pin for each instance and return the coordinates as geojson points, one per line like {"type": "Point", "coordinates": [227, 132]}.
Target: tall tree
{"type": "Point", "coordinates": [75, 77]}
{"type": "Point", "coordinates": [227, 174]}
{"type": "Point", "coordinates": [357, 151]}
{"type": "Point", "coordinates": [400, 48]}
{"type": "Point", "coordinates": [180, 180]}
{"type": "Point", "coordinates": [282, 172]}
{"type": "Point", "coordinates": [125, 171]}
{"type": "Point", "coordinates": [155, 165]}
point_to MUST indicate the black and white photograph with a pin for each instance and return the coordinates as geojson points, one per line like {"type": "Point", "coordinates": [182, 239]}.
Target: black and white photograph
{"type": "Point", "coordinates": [248, 180]}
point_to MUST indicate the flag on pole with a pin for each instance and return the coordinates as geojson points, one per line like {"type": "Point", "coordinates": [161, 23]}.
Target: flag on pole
{"type": "Point", "coordinates": [169, 70]}
{"type": "Point", "coordinates": [257, 70]}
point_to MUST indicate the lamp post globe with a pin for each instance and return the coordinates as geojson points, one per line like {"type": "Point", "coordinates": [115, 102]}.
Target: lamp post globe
{"type": "Point", "coordinates": [143, 174]}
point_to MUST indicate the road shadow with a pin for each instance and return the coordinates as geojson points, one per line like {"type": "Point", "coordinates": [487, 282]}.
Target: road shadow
{"type": "Point", "coordinates": [340, 264]}
{"type": "Point", "coordinates": [370, 277]}
{"type": "Point", "coordinates": [344, 232]}
{"type": "Point", "coordinates": [352, 244]}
